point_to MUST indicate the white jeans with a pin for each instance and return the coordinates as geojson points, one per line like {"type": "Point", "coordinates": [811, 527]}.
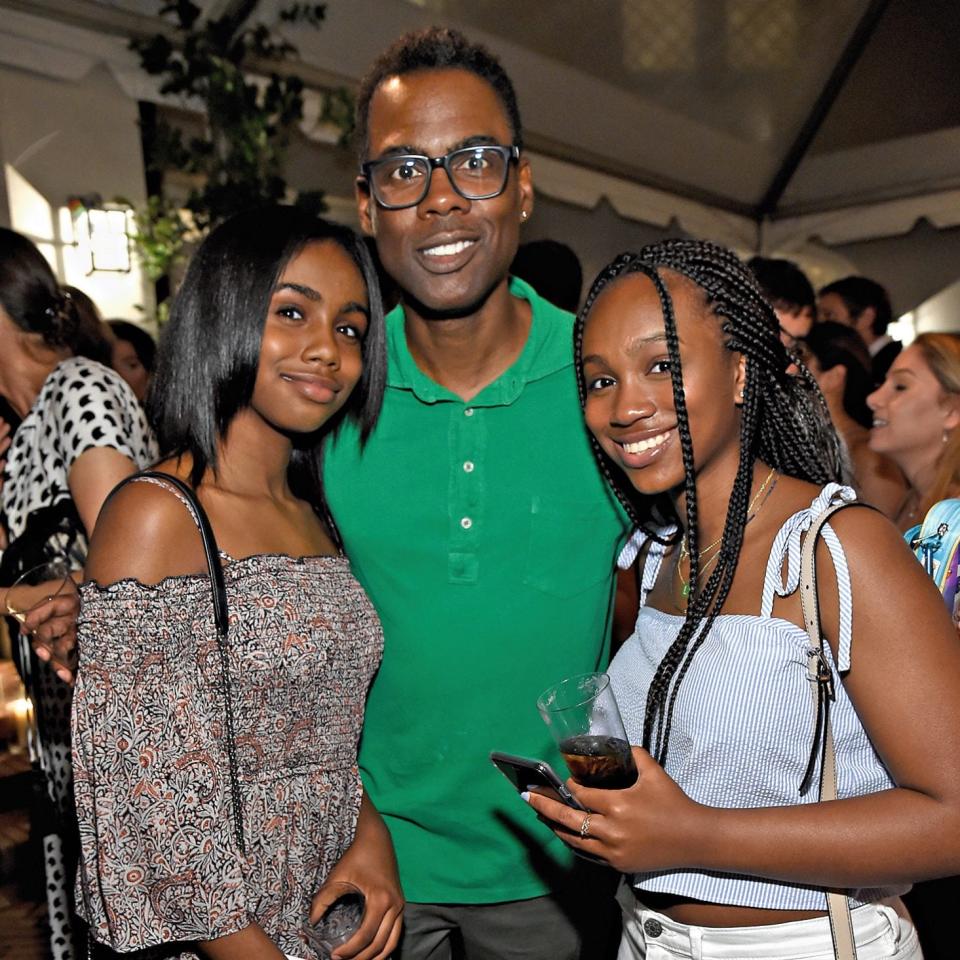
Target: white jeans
{"type": "Point", "coordinates": [879, 931]}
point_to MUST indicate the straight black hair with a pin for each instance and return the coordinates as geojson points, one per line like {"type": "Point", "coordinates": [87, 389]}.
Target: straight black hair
{"type": "Point", "coordinates": [210, 349]}
{"type": "Point", "coordinates": [784, 422]}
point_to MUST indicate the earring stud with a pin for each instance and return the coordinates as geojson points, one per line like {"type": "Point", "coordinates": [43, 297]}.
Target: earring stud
{"type": "Point", "coordinates": [524, 214]}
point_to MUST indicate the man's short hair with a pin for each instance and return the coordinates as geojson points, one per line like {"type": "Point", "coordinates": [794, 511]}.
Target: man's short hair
{"type": "Point", "coordinates": [783, 283]}
{"type": "Point", "coordinates": [858, 293]}
{"type": "Point", "coordinates": [436, 48]}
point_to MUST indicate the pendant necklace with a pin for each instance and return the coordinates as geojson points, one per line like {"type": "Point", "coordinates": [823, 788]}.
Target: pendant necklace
{"type": "Point", "coordinates": [686, 585]}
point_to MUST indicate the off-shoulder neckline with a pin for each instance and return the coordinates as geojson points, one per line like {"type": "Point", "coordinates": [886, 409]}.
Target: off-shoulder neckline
{"type": "Point", "coordinates": [233, 566]}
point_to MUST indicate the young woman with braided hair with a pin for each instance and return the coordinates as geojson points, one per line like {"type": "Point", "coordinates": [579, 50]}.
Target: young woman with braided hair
{"type": "Point", "coordinates": [724, 459]}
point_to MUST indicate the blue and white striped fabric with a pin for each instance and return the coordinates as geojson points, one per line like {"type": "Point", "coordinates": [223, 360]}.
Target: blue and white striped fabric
{"type": "Point", "coordinates": [743, 722]}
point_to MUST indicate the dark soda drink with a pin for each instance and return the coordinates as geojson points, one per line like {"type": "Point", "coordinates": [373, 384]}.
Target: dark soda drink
{"type": "Point", "coordinates": [599, 761]}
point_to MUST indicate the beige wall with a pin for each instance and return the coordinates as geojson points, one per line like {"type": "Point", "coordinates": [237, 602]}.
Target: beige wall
{"type": "Point", "coordinates": [69, 138]}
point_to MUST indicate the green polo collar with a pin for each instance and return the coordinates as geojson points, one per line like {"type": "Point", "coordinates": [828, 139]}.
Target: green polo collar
{"type": "Point", "coordinates": [547, 350]}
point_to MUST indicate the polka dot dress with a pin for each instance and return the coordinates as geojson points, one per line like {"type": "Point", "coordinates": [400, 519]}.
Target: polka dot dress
{"type": "Point", "coordinates": [82, 405]}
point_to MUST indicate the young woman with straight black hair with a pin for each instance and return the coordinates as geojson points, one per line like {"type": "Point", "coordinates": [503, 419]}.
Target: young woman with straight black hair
{"type": "Point", "coordinates": [217, 786]}
{"type": "Point", "coordinates": [725, 459]}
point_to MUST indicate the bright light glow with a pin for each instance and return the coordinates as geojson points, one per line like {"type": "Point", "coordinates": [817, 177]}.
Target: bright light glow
{"type": "Point", "coordinates": [102, 237]}
{"type": "Point", "coordinates": [116, 293]}
{"type": "Point", "coordinates": [29, 211]}
{"type": "Point", "coordinates": [904, 329]}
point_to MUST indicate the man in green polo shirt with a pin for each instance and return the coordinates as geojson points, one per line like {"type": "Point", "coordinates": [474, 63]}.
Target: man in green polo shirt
{"type": "Point", "coordinates": [474, 515]}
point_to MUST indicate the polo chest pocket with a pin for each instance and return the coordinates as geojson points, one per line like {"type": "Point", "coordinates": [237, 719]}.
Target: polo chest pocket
{"type": "Point", "coordinates": [571, 545]}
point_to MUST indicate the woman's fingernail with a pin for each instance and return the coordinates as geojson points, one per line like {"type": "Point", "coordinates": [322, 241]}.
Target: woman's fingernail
{"type": "Point", "coordinates": [525, 795]}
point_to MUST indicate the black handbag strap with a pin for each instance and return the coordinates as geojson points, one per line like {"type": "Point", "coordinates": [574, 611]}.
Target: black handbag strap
{"type": "Point", "coordinates": [220, 615]}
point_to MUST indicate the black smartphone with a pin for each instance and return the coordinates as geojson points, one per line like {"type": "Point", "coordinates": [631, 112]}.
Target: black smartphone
{"type": "Point", "coordinates": [525, 773]}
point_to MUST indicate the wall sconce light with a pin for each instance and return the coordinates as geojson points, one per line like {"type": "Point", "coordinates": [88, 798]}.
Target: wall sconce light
{"type": "Point", "coordinates": [101, 233]}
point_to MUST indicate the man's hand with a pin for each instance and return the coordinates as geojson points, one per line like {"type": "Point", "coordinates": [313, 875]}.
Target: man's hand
{"type": "Point", "coordinates": [369, 864]}
{"type": "Point", "coordinates": [52, 626]}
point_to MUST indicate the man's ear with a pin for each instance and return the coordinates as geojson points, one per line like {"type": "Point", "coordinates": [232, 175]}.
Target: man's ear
{"type": "Point", "coordinates": [525, 182]}
{"type": "Point", "coordinates": [365, 205]}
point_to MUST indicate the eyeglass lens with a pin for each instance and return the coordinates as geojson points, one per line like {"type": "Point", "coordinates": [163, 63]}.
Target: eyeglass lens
{"type": "Point", "coordinates": [476, 173]}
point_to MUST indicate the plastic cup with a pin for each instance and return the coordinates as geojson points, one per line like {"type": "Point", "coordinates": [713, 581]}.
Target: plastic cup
{"type": "Point", "coordinates": [339, 923]}
{"type": "Point", "coordinates": [583, 717]}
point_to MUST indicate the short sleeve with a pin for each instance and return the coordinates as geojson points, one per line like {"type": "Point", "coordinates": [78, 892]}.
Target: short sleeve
{"type": "Point", "coordinates": [159, 860]}
{"type": "Point", "coordinates": [92, 406]}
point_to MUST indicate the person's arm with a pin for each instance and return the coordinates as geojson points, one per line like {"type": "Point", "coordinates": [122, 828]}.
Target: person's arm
{"type": "Point", "coordinates": [102, 464]}
{"type": "Point", "coordinates": [625, 606]}
{"type": "Point", "coordinates": [120, 552]}
{"type": "Point", "coordinates": [92, 476]}
{"type": "Point", "coordinates": [52, 626]}
{"type": "Point", "coordinates": [879, 481]}
{"type": "Point", "coordinates": [370, 864]}
{"type": "Point", "coordinates": [904, 682]}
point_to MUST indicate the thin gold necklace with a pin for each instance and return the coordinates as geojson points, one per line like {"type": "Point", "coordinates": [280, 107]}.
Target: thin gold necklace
{"type": "Point", "coordinates": [751, 513]}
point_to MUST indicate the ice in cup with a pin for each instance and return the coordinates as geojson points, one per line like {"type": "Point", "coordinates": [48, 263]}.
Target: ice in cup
{"type": "Point", "coordinates": [339, 923]}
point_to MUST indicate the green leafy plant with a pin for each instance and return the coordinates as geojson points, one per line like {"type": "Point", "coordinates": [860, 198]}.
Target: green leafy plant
{"type": "Point", "coordinates": [227, 66]}
{"type": "Point", "coordinates": [161, 232]}
{"type": "Point", "coordinates": [238, 73]}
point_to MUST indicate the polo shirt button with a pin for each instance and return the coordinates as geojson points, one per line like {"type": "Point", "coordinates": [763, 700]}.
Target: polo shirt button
{"type": "Point", "coordinates": [652, 928]}
{"type": "Point", "coordinates": [466, 523]}
{"type": "Point", "coordinates": [468, 412]}
{"type": "Point", "coordinates": [468, 466]}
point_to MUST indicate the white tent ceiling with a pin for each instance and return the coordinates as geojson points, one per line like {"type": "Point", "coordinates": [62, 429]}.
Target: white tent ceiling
{"type": "Point", "coordinates": [762, 123]}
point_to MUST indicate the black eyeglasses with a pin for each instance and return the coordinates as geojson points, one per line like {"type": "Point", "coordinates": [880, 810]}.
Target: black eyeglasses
{"type": "Point", "coordinates": [476, 173]}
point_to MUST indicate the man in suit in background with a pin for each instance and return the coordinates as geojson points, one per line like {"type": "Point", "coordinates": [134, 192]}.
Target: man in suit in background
{"type": "Point", "coordinates": [863, 304]}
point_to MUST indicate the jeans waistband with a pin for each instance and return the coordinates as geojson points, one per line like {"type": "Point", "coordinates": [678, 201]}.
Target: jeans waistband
{"type": "Point", "coordinates": [779, 940]}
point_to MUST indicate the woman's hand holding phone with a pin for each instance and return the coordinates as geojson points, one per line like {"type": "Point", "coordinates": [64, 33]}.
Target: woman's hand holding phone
{"type": "Point", "coordinates": [652, 825]}
{"type": "Point", "coordinates": [527, 774]}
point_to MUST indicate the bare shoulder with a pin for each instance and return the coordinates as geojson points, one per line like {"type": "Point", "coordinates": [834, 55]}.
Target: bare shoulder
{"type": "Point", "coordinates": [145, 533]}
{"type": "Point", "coordinates": [870, 540]}
{"type": "Point", "coordinates": [891, 592]}
{"type": "Point", "coordinates": [865, 533]}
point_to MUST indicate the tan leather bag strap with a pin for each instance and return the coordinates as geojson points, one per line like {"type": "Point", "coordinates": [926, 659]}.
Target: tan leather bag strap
{"type": "Point", "coordinates": [822, 687]}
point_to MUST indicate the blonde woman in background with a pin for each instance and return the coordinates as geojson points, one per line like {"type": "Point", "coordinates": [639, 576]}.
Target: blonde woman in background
{"type": "Point", "coordinates": [916, 413]}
